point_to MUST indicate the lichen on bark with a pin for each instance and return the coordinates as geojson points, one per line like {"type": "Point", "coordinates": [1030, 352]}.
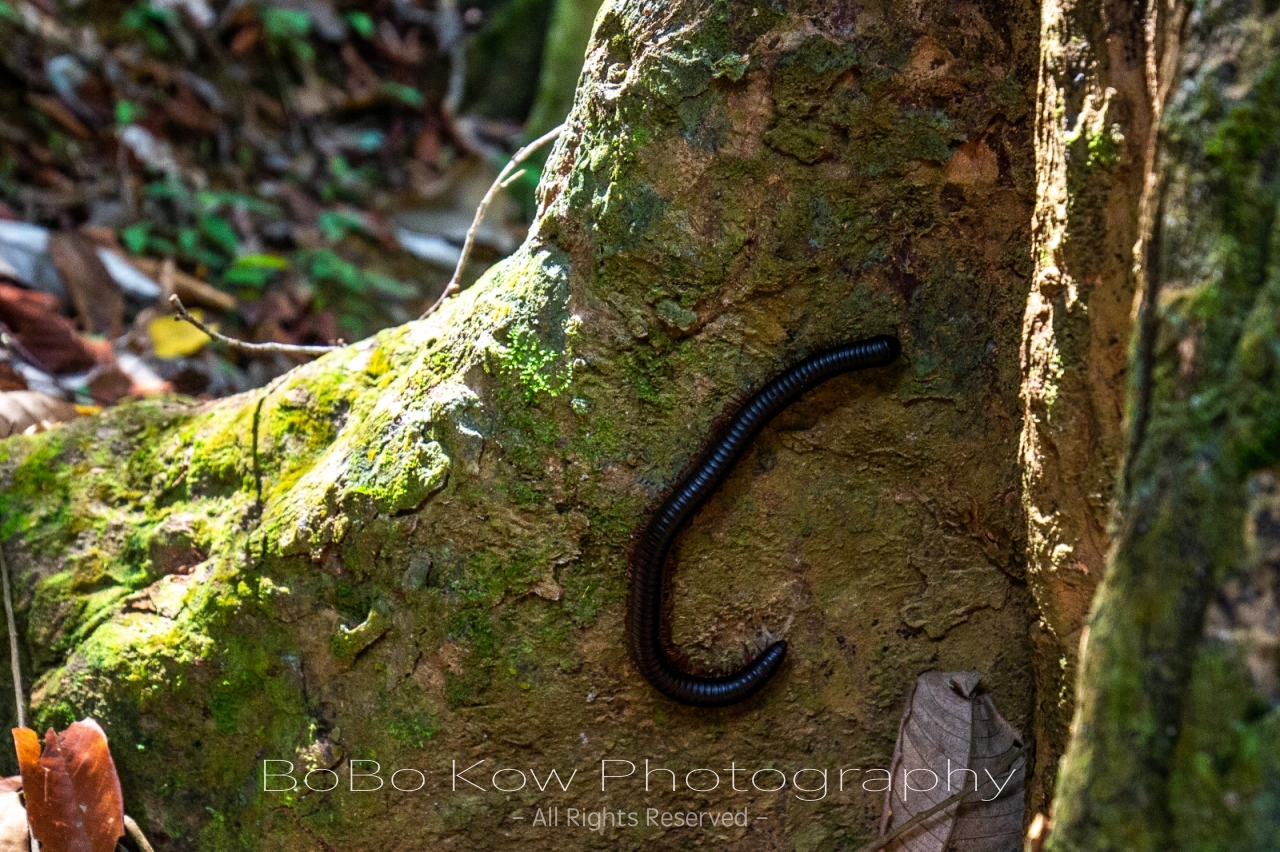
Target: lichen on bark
{"type": "Point", "coordinates": [414, 549]}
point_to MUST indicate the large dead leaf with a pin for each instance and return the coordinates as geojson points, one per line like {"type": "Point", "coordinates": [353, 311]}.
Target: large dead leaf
{"type": "Point", "coordinates": [950, 725]}
{"type": "Point", "coordinates": [44, 336]}
{"type": "Point", "coordinates": [93, 291]}
{"type": "Point", "coordinates": [30, 411]}
{"type": "Point", "coordinates": [73, 794]}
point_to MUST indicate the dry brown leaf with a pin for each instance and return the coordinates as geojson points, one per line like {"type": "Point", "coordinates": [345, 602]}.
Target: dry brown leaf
{"type": "Point", "coordinates": [93, 291]}
{"type": "Point", "coordinates": [952, 732]}
{"type": "Point", "coordinates": [190, 289]}
{"type": "Point", "coordinates": [13, 823]}
{"type": "Point", "coordinates": [55, 109]}
{"type": "Point", "coordinates": [11, 379]}
{"type": "Point", "coordinates": [43, 335]}
{"type": "Point", "coordinates": [73, 794]}
{"type": "Point", "coordinates": [187, 111]}
{"type": "Point", "coordinates": [245, 39]}
{"type": "Point", "coordinates": [29, 411]}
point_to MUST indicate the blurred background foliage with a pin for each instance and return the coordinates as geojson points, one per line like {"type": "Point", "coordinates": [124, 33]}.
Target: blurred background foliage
{"type": "Point", "coordinates": [302, 171]}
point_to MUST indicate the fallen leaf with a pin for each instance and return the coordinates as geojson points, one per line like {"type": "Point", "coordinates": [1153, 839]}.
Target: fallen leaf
{"type": "Point", "coordinates": [244, 39]}
{"type": "Point", "coordinates": [24, 257]}
{"type": "Point", "coordinates": [56, 110]}
{"type": "Point", "coordinates": [43, 335]}
{"type": "Point", "coordinates": [952, 734]}
{"type": "Point", "coordinates": [188, 112]}
{"type": "Point", "coordinates": [11, 379]}
{"type": "Point", "coordinates": [109, 384]}
{"type": "Point", "coordinates": [93, 291]}
{"type": "Point", "coordinates": [173, 338]}
{"type": "Point", "coordinates": [129, 277]}
{"type": "Point", "coordinates": [74, 802]}
{"type": "Point", "coordinates": [13, 823]}
{"type": "Point", "coordinates": [24, 411]}
{"type": "Point", "coordinates": [190, 290]}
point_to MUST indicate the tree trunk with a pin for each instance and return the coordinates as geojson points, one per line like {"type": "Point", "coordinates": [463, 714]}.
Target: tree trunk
{"type": "Point", "coordinates": [415, 550]}
{"type": "Point", "coordinates": [1176, 742]}
{"type": "Point", "coordinates": [1093, 142]}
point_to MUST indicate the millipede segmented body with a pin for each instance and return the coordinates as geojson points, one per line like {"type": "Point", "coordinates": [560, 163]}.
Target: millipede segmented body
{"type": "Point", "coordinates": [649, 559]}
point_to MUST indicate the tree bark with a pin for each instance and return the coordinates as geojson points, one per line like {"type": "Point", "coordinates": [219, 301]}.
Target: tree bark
{"type": "Point", "coordinates": [414, 550]}
{"type": "Point", "coordinates": [1093, 146]}
{"type": "Point", "coordinates": [1175, 743]}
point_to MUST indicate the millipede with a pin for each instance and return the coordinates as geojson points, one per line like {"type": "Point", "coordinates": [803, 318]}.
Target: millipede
{"type": "Point", "coordinates": [653, 548]}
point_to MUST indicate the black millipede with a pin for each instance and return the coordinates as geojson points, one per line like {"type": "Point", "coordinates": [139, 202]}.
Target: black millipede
{"type": "Point", "coordinates": [653, 549]}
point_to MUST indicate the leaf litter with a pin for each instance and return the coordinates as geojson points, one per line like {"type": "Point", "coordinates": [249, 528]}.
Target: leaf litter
{"type": "Point", "coordinates": [953, 739]}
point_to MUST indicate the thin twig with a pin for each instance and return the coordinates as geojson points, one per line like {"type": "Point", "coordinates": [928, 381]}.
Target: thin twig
{"type": "Point", "coordinates": [136, 835]}
{"type": "Point", "coordinates": [18, 698]}
{"type": "Point", "coordinates": [244, 345]}
{"type": "Point", "coordinates": [881, 842]}
{"type": "Point", "coordinates": [520, 156]}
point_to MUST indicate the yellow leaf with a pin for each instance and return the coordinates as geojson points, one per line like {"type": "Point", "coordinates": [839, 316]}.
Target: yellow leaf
{"type": "Point", "coordinates": [173, 338]}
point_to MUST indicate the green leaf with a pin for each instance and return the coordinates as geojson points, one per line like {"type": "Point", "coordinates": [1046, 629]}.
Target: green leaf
{"type": "Point", "coordinates": [286, 24]}
{"type": "Point", "coordinates": [262, 261]}
{"type": "Point", "coordinates": [128, 112]}
{"type": "Point", "coordinates": [361, 23]}
{"type": "Point", "coordinates": [159, 245]}
{"type": "Point", "coordinates": [403, 93]}
{"type": "Point", "coordinates": [135, 236]}
{"type": "Point", "coordinates": [339, 167]}
{"type": "Point", "coordinates": [254, 270]}
{"type": "Point", "coordinates": [210, 201]}
{"type": "Point", "coordinates": [325, 265]}
{"type": "Point", "coordinates": [389, 286]}
{"type": "Point", "coordinates": [247, 276]}
{"type": "Point", "coordinates": [188, 238]}
{"type": "Point", "coordinates": [219, 230]}
{"type": "Point", "coordinates": [171, 189]}
{"type": "Point", "coordinates": [8, 13]}
{"type": "Point", "coordinates": [303, 49]}
{"type": "Point", "coordinates": [335, 224]}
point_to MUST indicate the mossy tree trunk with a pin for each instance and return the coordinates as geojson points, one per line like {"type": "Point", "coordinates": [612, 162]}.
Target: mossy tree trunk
{"type": "Point", "coordinates": [1176, 740]}
{"type": "Point", "coordinates": [414, 550]}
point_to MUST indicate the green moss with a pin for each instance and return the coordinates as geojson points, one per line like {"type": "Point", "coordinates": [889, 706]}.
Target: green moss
{"type": "Point", "coordinates": [1225, 790]}
{"type": "Point", "coordinates": [540, 371]}
{"type": "Point", "coordinates": [349, 642]}
{"type": "Point", "coordinates": [414, 730]}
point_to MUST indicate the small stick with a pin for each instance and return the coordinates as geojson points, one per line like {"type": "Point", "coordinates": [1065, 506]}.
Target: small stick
{"type": "Point", "coordinates": [881, 842]}
{"type": "Point", "coordinates": [503, 176]}
{"type": "Point", "coordinates": [244, 345]}
{"type": "Point", "coordinates": [135, 834]}
{"type": "Point", "coordinates": [13, 643]}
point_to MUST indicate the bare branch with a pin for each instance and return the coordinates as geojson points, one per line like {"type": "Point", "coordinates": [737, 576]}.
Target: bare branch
{"type": "Point", "coordinates": [18, 698]}
{"type": "Point", "coordinates": [136, 835]}
{"type": "Point", "coordinates": [244, 345]}
{"type": "Point", "coordinates": [503, 178]}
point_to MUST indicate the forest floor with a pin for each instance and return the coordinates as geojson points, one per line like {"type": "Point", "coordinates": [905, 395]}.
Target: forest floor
{"type": "Point", "coordinates": [296, 171]}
